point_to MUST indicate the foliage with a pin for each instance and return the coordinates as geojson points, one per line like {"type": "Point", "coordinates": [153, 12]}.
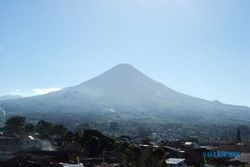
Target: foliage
{"type": "Point", "coordinates": [105, 142]}
{"type": "Point", "coordinates": [45, 128]}
{"type": "Point", "coordinates": [132, 156]}
{"type": "Point", "coordinates": [29, 127]}
{"type": "Point", "coordinates": [15, 124]}
{"type": "Point", "coordinates": [93, 146]}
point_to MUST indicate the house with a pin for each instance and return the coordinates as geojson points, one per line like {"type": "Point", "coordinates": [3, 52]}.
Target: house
{"type": "Point", "coordinates": [173, 152]}
{"type": "Point", "coordinates": [243, 159]}
{"type": "Point", "coordinates": [191, 145]}
{"type": "Point", "coordinates": [71, 165]}
{"type": "Point", "coordinates": [175, 162]}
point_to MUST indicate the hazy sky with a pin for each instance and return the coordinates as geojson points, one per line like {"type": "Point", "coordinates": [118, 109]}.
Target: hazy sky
{"type": "Point", "coordinates": [198, 47]}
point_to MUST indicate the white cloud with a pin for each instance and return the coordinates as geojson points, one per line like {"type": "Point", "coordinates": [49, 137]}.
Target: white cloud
{"type": "Point", "coordinates": [40, 91]}
{"type": "Point", "coordinates": [34, 92]}
{"type": "Point", "coordinates": [16, 92]}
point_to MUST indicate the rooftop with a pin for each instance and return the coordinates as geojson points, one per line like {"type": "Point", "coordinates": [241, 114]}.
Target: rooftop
{"type": "Point", "coordinates": [174, 160]}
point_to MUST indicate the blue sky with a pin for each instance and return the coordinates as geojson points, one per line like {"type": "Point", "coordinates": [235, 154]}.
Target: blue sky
{"type": "Point", "coordinates": [196, 47]}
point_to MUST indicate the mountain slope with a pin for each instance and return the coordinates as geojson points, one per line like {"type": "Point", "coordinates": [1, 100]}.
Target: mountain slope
{"type": "Point", "coordinates": [127, 91]}
{"type": "Point", "coordinates": [9, 97]}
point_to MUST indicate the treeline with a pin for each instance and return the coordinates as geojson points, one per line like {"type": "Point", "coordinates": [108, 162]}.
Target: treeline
{"type": "Point", "coordinates": [116, 124]}
{"type": "Point", "coordinates": [91, 142]}
{"type": "Point", "coordinates": [18, 126]}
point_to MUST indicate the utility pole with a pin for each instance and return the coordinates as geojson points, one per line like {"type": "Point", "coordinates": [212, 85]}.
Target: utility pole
{"type": "Point", "coordinates": [103, 156]}
{"type": "Point", "coordinates": [238, 140]}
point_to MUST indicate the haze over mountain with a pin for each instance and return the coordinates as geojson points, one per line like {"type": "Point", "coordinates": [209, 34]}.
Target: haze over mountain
{"type": "Point", "coordinates": [9, 97]}
{"type": "Point", "coordinates": [129, 93]}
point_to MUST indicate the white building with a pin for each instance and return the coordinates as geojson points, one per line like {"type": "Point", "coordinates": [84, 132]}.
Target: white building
{"type": "Point", "coordinates": [192, 145]}
{"type": "Point", "coordinates": [176, 162]}
{"type": "Point", "coordinates": [71, 165]}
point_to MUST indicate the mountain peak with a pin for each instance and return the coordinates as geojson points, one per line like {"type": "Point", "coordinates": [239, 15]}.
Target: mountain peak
{"type": "Point", "coordinates": [122, 72]}
{"type": "Point", "coordinates": [124, 65]}
{"type": "Point", "coordinates": [123, 68]}
{"type": "Point", "coordinates": [119, 78]}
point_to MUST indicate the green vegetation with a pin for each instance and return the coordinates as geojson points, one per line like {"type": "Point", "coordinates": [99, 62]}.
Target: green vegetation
{"type": "Point", "coordinates": [92, 142]}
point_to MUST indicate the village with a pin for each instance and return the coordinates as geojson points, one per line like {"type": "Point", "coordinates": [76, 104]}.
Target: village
{"type": "Point", "coordinates": [48, 145]}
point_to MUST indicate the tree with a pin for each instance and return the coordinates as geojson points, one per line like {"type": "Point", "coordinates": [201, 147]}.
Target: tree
{"type": "Point", "coordinates": [105, 142]}
{"type": "Point", "coordinates": [132, 156]}
{"type": "Point", "coordinates": [44, 128]}
{"type": "Point", "coordinates": [93, 146]}
{"type": "Point", "coordinates": [157, 157]}
{"type": "Point", "coordinates": [58, 130]}
{"type": "Point", "coordinates": [29, 127]}
{"type": "Point", "coordinates": [146, 141]}
{"type": "Point", "coordinates": [69, 136]}
{"type": "Point", "coordinates": [147, 158]}
{"type": "Point", "coordinates": [15, 124]}
{"type": "Point", "coordinates": [121, 146]}
{"type": "Point", "coordinates": [162, 163]}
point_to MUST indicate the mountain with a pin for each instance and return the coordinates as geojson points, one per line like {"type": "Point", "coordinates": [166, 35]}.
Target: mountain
{"type": "Point", "coordinates": [9, 97]}
{"type": "Point", "coordinates": [128, 93]}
